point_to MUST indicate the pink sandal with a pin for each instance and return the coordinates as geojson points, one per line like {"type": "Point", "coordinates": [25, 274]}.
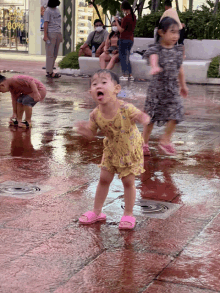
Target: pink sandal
{"type": "Point", "coordinates": [92, 218]}
{"type": "Point", "coordinates": [127, 219]}
{"type": "Point", "coordinates": [168, 149]}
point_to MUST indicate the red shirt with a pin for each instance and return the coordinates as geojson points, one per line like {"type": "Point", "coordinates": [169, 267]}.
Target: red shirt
{"type": "Point", "coordinates": [21, 85]}
{"type": "Point", "coordinates": [128, 24]}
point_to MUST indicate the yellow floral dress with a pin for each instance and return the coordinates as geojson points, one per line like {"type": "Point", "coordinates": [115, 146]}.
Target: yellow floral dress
{"type": "Point", "coordinates": [123, 142]}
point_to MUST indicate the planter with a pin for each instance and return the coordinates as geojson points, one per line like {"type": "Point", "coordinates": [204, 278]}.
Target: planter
{"type": "Point", "coordinates": [202, 49]}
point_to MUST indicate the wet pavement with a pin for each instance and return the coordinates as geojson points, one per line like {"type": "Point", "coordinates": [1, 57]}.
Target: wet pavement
{"type": "Point", "coordinates": [48, 177]}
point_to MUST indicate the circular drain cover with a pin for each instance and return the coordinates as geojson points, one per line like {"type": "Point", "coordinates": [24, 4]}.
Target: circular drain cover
{"type": "Point", "coordinates": [149, 207]}
{"type": "Point", "coordinates": [19, 190]}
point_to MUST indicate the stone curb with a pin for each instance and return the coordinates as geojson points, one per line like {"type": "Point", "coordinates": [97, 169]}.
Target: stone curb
{"type": "Point", "coordinates": [69, 71]}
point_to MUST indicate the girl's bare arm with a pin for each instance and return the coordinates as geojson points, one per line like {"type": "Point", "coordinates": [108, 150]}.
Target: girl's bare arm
{"type": "Point", "coordinates": [183, 87]}
{"type": "Point", "coordinates": [154, 63]}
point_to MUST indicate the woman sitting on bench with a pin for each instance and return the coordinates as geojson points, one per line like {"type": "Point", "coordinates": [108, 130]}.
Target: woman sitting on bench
{"type": "Point", "coordinates": [110, 53]}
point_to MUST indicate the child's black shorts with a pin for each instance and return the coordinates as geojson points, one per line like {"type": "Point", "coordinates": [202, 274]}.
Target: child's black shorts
{"type": "Point", "coordinates": [26, 100]}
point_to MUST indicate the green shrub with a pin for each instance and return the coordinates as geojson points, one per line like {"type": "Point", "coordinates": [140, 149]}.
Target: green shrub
{"type": "Point", "coordinates": [146, 24]}
{"type": "Point", "coordinates": [200, 24]}
{"type": "Point", "coordinates": [213, 70]}
{"type": "Point", "coordinates": [71, 59]}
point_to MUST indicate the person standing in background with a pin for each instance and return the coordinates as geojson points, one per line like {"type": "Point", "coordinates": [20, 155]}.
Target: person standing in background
{"type": "Point", "coordinates": [126, 40]}
{"type": "Point", "coordinates": [52, 35]}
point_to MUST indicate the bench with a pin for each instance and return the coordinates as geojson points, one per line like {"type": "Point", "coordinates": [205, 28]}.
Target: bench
{"type": "Point", "coordinates": [195, 70]}
{"type": "Point", "coordinates": [198, 57]}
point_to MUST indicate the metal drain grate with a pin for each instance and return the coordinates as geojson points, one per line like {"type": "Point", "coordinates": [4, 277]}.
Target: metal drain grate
{"type": "Point", "coordinates": [152, 207]}
{"type": "Point", "coordinates": [21, 189]}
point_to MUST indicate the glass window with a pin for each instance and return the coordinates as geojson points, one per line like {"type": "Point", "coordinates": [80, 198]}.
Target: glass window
{"type": "Point", "coordinates": [14, 26]}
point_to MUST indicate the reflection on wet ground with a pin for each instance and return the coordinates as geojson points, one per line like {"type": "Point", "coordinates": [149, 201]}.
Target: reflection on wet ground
{"type": "Point", "coordinates": [51, 153]}
{"type": "Point", "coordinates": [52, 142]}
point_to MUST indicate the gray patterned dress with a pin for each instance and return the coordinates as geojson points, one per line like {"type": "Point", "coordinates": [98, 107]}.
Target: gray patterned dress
{"type": "Point", "coordinates": [163, 102]}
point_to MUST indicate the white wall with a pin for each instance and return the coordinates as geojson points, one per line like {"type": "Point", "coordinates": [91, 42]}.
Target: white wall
{"type": "Point", "coordinates": [34, 27]}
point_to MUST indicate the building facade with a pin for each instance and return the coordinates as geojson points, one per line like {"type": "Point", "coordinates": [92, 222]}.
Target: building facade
{"type": "Point", "coordinates": [21, 25]}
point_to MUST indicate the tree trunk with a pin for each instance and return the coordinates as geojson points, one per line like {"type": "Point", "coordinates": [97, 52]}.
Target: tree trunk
{"type": "Point", "coordinates": [96, 8]}
{"type": "Point", "coordinates": [177, 5]}
{"type": "Point", "coordinates": [153, 5]}
{"type": "Point", "coordinates": [134, 4]}
{"type": "Point", "coordinates": [157, 5]}
{"type": "Point", "coordinates": [216, 7]}
{"type": "Point", "coordinates": [140, 8]}
{"type": "Point", "coordinates": [190, 5]}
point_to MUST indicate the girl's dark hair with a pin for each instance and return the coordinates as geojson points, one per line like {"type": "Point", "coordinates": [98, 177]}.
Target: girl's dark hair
{"type": "Point", "coordinates": [2, 78]}
{"type": "Point", "coordinates": [53, 3]}
{"type": "Point", "coordinates": [165, 23]}
{"type": "Point", "coordinates": [112, 32]}
{"type": "Point", "coordinates": [114, 76]}
{"type": "Point", "coordinates": [126, 6]}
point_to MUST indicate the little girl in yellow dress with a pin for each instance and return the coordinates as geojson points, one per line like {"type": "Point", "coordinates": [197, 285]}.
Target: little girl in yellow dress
{"type": "Point", "coordinates": [123, 144]}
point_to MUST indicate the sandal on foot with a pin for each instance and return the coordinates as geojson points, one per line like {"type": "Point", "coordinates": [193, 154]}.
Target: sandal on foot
{"type": "Point", "coordinates": [13, 122]}
{"type": "Point", "coordinates": [168, 149]}
{"type": "Point", "coordinates": [53, 75]}
{"type": "Point", "coordinates": [146, 150]}
{"type": "Point", "coordinates": [92, 218]}
{"type": "Point", "coordinates": [25, 124]}
{"type": "Point", "coordinates": [127, 220]}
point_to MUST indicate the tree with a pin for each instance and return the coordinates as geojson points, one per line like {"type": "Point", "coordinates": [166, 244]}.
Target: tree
{"type": "Point", "coordinates": [112, 6]}
{"type": "Point", "coordinates": [177, 5]}
{"type": "Point", "coordinates": [156, 5]}
{"type": "Point", "coordinates": [216, 7]}
{"type": "Point", "coordinates": [190, 5]}
{"type": "Point", "coordinates": [140, 7]}
{"type": "Point", "coordinates": [95, 7]}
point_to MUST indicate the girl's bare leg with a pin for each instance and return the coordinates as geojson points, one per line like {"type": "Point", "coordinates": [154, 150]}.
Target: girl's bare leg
{"type": "Point", "coordinates": [102, 59]}
{"type": "Point", "coordinates": [147, 132]}
{"type": "Point", "coordinates": [112, 62]}
{"type": "Point", "coordinates": [102, 190]}
{"type": "Point", "coordinates": [169, 130]}
{"type": "Point", "coordinates": [129, 194]}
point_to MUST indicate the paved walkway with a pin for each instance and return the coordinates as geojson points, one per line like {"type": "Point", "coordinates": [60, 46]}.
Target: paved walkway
{"type": "Point", "coordinates": [48, 177]}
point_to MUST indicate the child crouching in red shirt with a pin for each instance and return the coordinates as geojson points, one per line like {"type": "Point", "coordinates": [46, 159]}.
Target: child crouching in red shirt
{"type": "Point", "coordinates": [25, 91]}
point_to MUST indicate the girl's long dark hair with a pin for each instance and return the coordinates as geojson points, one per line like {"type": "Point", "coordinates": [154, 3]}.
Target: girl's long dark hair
{"type": "Point", "coordinates": [126, 6]}
{"type": "Point", "coordinates": [165, 23]}
{"type": "Point", "coordinates": [112, 32]}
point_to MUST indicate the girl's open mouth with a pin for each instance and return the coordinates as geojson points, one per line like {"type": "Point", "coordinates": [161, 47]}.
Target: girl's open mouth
{"type": "Point", "coordinates": [100, 94]}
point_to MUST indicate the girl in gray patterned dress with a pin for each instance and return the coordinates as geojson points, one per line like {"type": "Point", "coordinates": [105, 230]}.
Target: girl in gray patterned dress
{"type": "Point", "coordinates": [163, 102]}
